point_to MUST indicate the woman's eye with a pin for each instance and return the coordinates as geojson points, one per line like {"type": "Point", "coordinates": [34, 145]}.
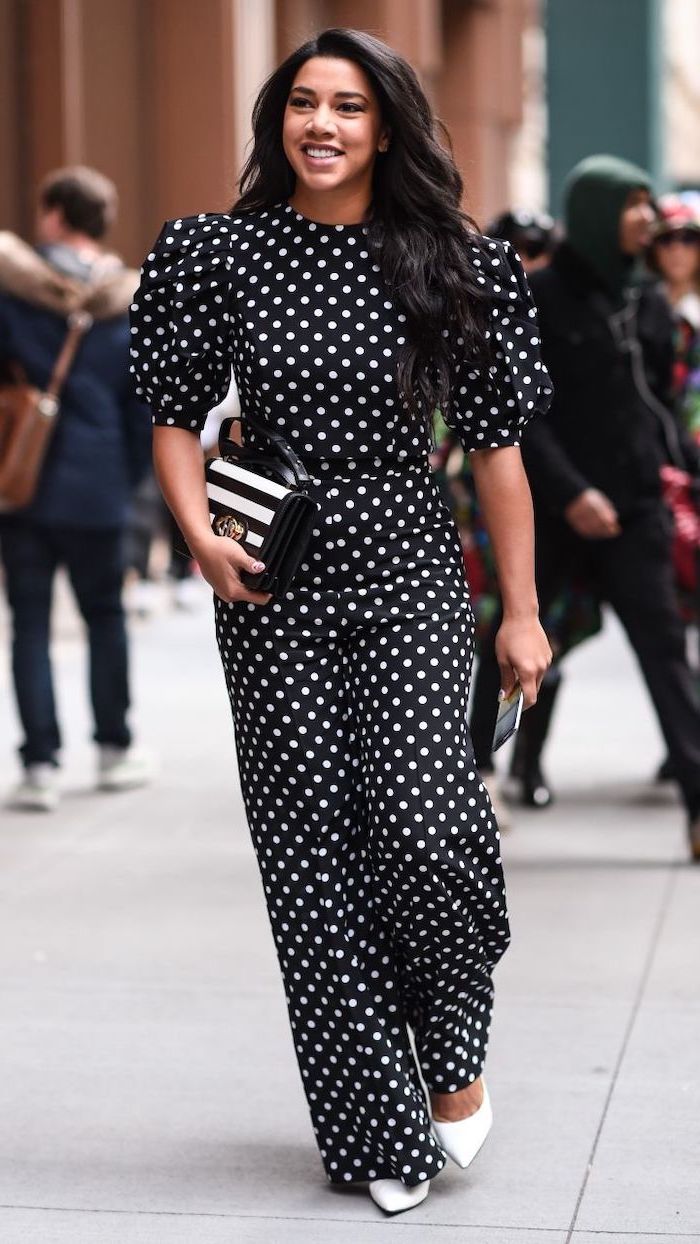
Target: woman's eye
{"type": "Point", "coordinates": [298, 102]}
{"type": "Point", "coordinates": [350, 108]}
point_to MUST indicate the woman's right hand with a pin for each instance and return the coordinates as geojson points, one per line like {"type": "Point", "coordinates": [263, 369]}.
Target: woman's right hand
{"type": "Point", "coordinates": [221, 561]}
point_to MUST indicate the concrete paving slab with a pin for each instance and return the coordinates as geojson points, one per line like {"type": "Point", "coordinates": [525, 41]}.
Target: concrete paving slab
{"type": "Point", "coordinates": [145, 1054]}
{"type": "Point", "coordinates": [675, 970]}
{"type": "Point", "coordinates": [188, 893]}
{"type": "Point", "coordinates": [142, 1099]}
{"type": "Point", "coordinates": [64, 1227]}
{"type": "Point", "coordinates": [644, 1177]}
{"type": "Point", "coordinates": [580, 935]}
{"type": "Point", "coordinates": [382, 1233]}
{"type": "Point", "coordinates": [629, 1237]}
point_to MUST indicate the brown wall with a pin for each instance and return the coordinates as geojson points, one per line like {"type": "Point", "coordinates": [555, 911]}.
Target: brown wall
{"type": "Point", "coordinates": [413, 27]}
{"type": "Point", "coordinates": [13, 180]}
{"type": "Point", "coordinates": [480, 95]}
{"type": "Point", "coordinates": [145, 90]}
{"type": "Point", "coordinates": [469, 57]}
{"type": "Point", "coordinates": [111, 97]}
{"type": "Point", "coordinates": [190, 72]}
{"type": "Point", "coordinates": [77, 98]}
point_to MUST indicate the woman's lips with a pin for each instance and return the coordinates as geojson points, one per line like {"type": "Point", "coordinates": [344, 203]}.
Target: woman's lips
{"type": "Point", "coordinates": [320, 156]}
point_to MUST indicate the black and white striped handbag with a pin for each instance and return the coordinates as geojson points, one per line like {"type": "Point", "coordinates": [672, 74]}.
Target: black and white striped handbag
{"type": "Point", "coordinates": [258, 496]}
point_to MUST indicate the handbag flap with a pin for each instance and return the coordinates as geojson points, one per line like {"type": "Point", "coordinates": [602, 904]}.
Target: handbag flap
{"type": "Point", "coordinates": [230, 474]}
{"type": "Point", "coordinates": [243, 504]}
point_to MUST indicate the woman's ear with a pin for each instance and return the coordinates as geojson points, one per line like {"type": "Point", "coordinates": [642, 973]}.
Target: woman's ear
{"type": "Point", "coordinates": [384, 140]}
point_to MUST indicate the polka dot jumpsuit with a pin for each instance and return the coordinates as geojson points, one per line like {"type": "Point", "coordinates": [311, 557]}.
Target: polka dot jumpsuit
{"type": "Point", "coordinates": [376, 841]}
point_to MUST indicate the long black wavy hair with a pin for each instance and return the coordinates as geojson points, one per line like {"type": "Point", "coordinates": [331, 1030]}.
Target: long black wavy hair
{"type": "Point", "coordinates": [417, 232]}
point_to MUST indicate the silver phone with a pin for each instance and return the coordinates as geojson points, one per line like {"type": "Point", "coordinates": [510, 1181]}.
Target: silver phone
{"type": "Point", "coordinates": [510, 710]}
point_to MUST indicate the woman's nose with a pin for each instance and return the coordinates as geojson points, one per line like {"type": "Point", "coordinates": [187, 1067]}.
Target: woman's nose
{"type": "Point", "coordinates": [321, 121]}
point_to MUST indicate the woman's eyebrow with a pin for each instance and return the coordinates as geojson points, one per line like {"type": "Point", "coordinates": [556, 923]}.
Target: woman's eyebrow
{"type": "Point", "coordinates": [307, 90]}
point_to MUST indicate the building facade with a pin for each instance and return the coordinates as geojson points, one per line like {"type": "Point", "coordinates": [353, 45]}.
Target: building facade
{"type": "Point", "coordinates": [157, 93]}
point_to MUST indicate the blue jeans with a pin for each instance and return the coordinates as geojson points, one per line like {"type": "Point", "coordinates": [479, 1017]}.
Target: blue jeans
{"type": "Point", "coordinates": [94, 560]}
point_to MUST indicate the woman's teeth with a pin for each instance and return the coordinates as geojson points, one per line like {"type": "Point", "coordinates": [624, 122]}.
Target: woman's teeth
{"type": "Point", "coordinates": [321, 153]}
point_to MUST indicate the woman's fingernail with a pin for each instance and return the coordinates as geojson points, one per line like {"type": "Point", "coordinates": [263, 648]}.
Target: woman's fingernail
{"type": "Point", "coordinates": [501, 694]}
{"type": "Point", "coordinates": [258, 566]}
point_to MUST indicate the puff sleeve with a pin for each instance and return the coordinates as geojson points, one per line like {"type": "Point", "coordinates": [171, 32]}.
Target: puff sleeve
{"type": "Point", "coordinates": [491, 404]}
{"type": "Point", "coordinates": [181, 322]}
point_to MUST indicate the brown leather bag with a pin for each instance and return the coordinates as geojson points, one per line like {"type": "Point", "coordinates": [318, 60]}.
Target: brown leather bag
{"type": "Point", "coordinates": [28, 417]}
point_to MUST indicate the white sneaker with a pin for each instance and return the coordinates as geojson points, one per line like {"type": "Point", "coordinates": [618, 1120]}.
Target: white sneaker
{"type": "Point", "coordinates": [188, 593]}
{"type": "Point", "coordinates": [38, 790]}
{"type": "Point", "coordinates": [123, 768]}
{"type": "Point", "coordinates": [141, 598]}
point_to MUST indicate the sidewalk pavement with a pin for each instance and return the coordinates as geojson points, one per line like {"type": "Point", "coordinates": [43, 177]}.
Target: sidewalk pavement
{"type": "Point", "coordinates": [148, 1088]}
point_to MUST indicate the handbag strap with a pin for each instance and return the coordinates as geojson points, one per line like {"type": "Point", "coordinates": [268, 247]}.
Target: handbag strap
{"type": "Point", "coordinates": [282, 447]}
{"type": "Point", "coordinates": [79, 323]}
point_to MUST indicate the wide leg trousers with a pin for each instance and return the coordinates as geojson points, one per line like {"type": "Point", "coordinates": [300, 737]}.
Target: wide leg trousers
{"type": "Point", "coordinates": [377, 844]}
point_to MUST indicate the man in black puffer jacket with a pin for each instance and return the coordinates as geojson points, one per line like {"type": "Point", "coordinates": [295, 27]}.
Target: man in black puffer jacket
{"type": "Point", "coordinates": [100, 447]}
{"type": "Point", "coordinates": [594, 461]}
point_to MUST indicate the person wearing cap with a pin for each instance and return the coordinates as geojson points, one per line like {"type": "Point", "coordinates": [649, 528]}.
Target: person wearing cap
{"type": "Point", "coordinates": [575, 614]}
{"type": "Point", "coordinates": [594, 462]}
{"type": "Point", "coordinates": [674, 255]}
{"type": "Point", "coordinates": [531, 234]}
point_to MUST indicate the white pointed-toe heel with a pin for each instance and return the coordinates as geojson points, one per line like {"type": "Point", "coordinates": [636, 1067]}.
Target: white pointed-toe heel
{"type": "Point", "coordinates": [463, 1139]}
{"type": "Point", "coordinates": [392, 1196]}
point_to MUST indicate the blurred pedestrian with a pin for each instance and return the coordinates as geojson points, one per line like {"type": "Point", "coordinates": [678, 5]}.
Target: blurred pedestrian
{"type": "Point", "coordinates": [353, 297]}
{"type": "Point", "coordinates": [99, 449]}
{"type": "Point", "coordinates": [150, 518]}
{"type": "Point", "coordinates": [675, 255]}
{"type": "Point", "coordinates": [532, 235]}
{"type": "Point", "coordinates": [573, 616]}
{"type": "Point", "coordinates": [147, 522]}
{"type": "Point", "coordinates": [150, 521]}
{"type": "Point", "coordinates": [594, 463]}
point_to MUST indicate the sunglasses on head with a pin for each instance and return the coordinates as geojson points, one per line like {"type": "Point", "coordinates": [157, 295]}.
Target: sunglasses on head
{"type": "Point", "coordinates": [686, 237]}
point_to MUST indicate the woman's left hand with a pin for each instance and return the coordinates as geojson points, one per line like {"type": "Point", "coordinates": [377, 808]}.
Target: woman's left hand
{"type": "Point", "coordinates": [524, 656]}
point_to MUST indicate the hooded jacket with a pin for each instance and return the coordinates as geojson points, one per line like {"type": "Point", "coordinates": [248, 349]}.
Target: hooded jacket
{"type": "Point", "coordinates": [101, 443]}
{"type": "Point", "coordinates": [595, 194]}
{"type": "Point", "coordinates": [600, 431]}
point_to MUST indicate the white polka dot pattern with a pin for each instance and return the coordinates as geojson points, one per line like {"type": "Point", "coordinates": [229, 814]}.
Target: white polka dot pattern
{"type": "Point", "coordinates": [302, 313]}
{"type": "Point", "coordinates": [377, 844]}
{"type": "Point", "coordinates": [376, 840]}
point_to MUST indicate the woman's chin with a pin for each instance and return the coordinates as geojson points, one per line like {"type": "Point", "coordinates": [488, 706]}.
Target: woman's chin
{"type": "Point", "coordinates": [320, 179]}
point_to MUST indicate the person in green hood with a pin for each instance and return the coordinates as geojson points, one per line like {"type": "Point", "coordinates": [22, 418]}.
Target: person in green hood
{"type": "Point", "coordinates": [594, 462]}
{"type": "Point", "coordinates": [609, 218]}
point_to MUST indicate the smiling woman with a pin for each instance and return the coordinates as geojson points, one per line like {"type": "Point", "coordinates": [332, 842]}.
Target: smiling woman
{"type": "Point", "coordinates": [332, 132]}
{"type": "Point", "coordinates": [391, 173]}
{"type": "Point", "coordinates": [352, 296]}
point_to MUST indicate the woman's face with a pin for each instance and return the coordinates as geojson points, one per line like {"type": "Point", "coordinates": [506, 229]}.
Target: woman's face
{"type": "Point", "coordinates": [332, 128]}
{"type": "Point", "coordinates": [677, 255]}
{"type": "Point", "coordinates": [636, 222]}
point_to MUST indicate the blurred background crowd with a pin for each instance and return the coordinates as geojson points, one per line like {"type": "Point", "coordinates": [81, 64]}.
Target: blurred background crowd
{"type": "Point", "coordinates": [575, 126]}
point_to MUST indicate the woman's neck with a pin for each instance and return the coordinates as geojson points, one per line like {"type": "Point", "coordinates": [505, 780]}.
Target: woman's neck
{"type": "Point", "coordinates": [332, 207]}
